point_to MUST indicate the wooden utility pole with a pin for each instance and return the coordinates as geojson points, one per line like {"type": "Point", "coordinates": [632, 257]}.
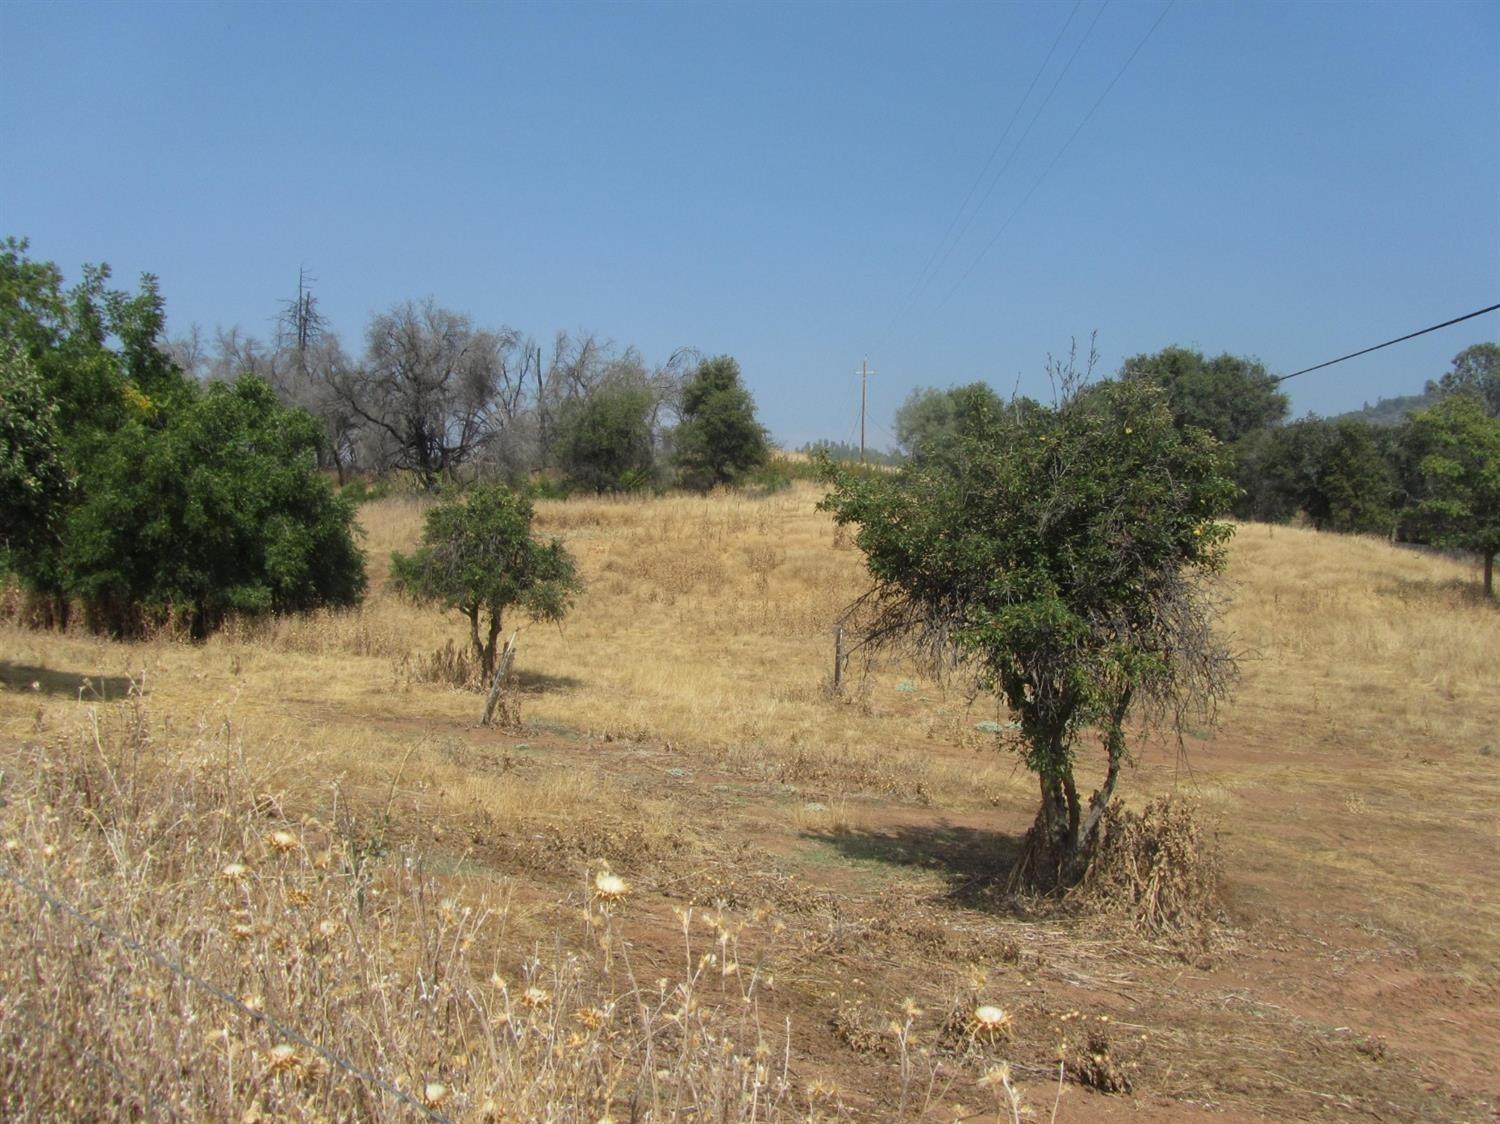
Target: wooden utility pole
{"type": "Point", "coordinates": [864, 374]}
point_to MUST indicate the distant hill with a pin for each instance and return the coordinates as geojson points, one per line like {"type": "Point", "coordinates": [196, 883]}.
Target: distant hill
{"type": "Point", "coordinates": [1391, 411]}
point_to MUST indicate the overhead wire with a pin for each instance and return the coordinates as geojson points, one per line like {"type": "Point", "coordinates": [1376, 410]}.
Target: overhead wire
{"type": "Point", "coordinates": [999, 144]}
{"type": "Point", "coordinates": [1060, 153]}
{"type": "Point", "coordinates": [944, 248]}
{"type": "Point", "coordinates": [1398, 339]}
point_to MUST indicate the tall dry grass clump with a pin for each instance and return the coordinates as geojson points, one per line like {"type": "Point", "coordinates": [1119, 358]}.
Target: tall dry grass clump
{"type": "Point", "coordinates": [179, 946]}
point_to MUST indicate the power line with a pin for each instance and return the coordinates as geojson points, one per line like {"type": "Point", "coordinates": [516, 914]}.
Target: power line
{"type": "Point", "coordinates": [214, 990]}
{"type": "Point", "coordinates": [944, 248]}
{"type": "Point", "coordinates": [1398, 339]}
{"type": "Point", "coordinates": [999, 144]}
{"type": "Point", "coordinates": [1066, 145]}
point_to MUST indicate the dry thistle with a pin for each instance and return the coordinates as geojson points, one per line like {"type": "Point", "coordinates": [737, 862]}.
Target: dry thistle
{"type": "Point", "coordinates": [283, 842]}
{"type": "Point", "coordinates": [610, 887]}
{"type": "Point", "coordinates": [989, 1022]}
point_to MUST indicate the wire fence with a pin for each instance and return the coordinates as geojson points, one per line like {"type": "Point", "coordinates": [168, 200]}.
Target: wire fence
{"type": "Point", "coordinates": [214, 991]}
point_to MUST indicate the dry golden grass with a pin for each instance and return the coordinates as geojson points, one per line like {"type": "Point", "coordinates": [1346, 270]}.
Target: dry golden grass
{"type": "Point", "coordinates": [678, 727]}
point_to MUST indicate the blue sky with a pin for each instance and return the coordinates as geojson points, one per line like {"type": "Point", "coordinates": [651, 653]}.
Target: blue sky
{"type": "Point", "coordinates": [1288, 181]}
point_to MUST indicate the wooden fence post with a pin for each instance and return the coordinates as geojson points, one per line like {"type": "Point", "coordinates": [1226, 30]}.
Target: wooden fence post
{"type": "Point", "coordinates": [502, 669]}
{"type": "Point", "coordinates": [838, 660]}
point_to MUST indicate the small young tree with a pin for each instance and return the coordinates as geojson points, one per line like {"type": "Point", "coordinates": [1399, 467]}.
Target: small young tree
{"type": "Point", "coordinates": [1064, 553]}
{"type": "Point", "coordinates": [478, 556]}
{"type": "Point", "coordinates": [1454, 451]}
{"type": "Point", "coordinates": [719, 440]}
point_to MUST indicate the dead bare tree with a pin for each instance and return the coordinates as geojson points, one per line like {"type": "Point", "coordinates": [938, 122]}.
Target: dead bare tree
{"type": "Point", "coordinates": [432, 384]}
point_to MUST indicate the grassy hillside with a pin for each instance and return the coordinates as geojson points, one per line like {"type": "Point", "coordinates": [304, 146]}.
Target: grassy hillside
{"type": "Point", "coordinates": [304, 815]}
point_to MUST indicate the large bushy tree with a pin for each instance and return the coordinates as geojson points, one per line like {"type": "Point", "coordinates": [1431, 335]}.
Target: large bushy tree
{"type": "Point", "coordinates": [35, 483]}
{"type": "Point", "coordinates": [188, 503]}
{"type": "Point", "coordinates": [211, 511]}
{"type": "Point", "coordinates": [478, 555]}
{"type": "Point", "coordinates": [1228, 396]}
{"type": "Point", "coordinates": [1454, 452]}
{"type": "Point", "coordinates": [431, 388]}
{"type": "Point", "coordinates": [1064, 552]}
{"type": "Point", "coordinates": [605, 441]}
{"type": "Point", "coordinates": [719, 439]}
{"type": "Point", "coordinates": [929, 422]}
{"type": "Point", "coordinates": [1337, 472]}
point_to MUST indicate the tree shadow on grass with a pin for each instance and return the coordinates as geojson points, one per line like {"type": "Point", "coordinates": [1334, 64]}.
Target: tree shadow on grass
{"type": "Point", "coordinates": [974, 862]}
{"type": "Point", "coordinates": [1463, 593]}
{"type": "Point", "coordinates": [535, 682]}
{"type": "Point", "coordinates": [91, 688]}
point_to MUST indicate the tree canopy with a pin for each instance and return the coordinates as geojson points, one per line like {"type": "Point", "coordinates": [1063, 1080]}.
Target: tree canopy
{"type": "Point", "coordinates": [605, 441]}
{"type": "Point", "coordinates": [1476, 371]}
{"type": "Point", "coordinates": [1228, 396]}
{"type": "Point", "coordinates": [1454, 451]}
{"type": "Point", "coordinates": [189, 503]}
{"type": "Point", "coordinates": [930, 421]}
{"type": "Point", "coordinates": [1063, 553]}
{"type": "Point", "coordinates": [478, 556]}
{"type": "Point", "coordinates": [719, 439]}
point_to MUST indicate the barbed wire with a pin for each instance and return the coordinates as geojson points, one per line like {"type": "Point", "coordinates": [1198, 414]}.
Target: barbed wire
{"type": "Point", "coordinates": [67, 909]}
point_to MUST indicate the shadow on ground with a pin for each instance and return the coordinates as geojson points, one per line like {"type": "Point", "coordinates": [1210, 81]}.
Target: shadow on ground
{"type": "Point", "coordinates": [536, 681]}
{"type": "Point", "coordinates": [1454, 591]}
{"type": "Point", "coordinates": [974, 862]}
{"type": "Point", "coordinates": [92, 688]}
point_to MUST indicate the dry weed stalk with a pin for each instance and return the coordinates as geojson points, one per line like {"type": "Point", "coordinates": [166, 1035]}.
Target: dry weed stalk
{"type": "Point", "coordinates": [1157, 870]}
{"type": "Point", "coordinates": [168, 853]}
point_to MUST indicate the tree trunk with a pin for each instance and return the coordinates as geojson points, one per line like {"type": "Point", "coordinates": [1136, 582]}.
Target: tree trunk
{"type": "Point", "coordinates": [1489, 574]}
{"type": "Point", "coordinates": [489, 647]}
{"type": "Point", "coordinates": [474, 641]}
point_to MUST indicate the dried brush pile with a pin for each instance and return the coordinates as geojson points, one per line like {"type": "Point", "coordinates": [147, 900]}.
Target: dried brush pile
{"type": "Point", "coordinates": [175, 945]}
{"type": "Point", "coordinates": [1157, 871]}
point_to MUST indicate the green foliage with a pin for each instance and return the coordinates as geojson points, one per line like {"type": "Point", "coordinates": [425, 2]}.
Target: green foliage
{"type": "Point", "coordinates": [1339, 473]}
{"type": "Point", "coordinates": [212, 510]}
{"type": "Point", "coordinates": [478, 556]}
{"type": "Point", "coordinates": [1391, 412]}
{"type": "Point", "coordinates": [1228, 396]}
{"type": "Point", "coordinates": [604, 443]}
{"type": "Point", "coordinates": [188, 505]}
{"type": "Point", "coordinates": [719, 440]}
{"type": "Point", "coordinates": [930, 421]}
{"type": "Point", "coordinates": [1476, 372]}
{"type": "Point", "coordinates": [1060, 552]}
{"type": "Point", "coordinates": [35, 484]}
{"type": "Point", "coordinates": [843, 452]}
{"type": "Point", "coordinates": [1454, 449]}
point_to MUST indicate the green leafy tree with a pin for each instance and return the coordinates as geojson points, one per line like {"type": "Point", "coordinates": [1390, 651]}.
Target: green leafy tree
{"type": "Point", "coordinates": [35, 484]}
{"type": "Point", "coordinates": [718, 440]}
{"type": "Point", "coordinates": [1454, 451]}
{"type": "Point", "coordinates": [605, 442]}
{"type": "Point", "coordinates": [1064, 553]}
{"type": "Point", "coordinates": [1476, 371]}
{"type": "Point", "coordinates": [209, 510]}
{"type": "Point", "coordinates": [1228, 396]}
{"type": "Point", "coordinates": [1338, 472]}
{"type": "Point", "coordinates": [187, 503]}
{"type": "Point", "coordinates": [929, 422]}
{"type": "Point", "coordinates": [478, 555]}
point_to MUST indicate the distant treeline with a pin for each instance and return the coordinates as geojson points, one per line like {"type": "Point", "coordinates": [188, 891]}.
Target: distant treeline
{"type": "Point", "coordinates": [1421, 468]}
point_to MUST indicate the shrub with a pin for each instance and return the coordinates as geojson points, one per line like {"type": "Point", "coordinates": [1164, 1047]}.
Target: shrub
{"type": "Point", "coordinates": [478, 556]}
{"type": "Point", "coordinates": [214, 510]}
